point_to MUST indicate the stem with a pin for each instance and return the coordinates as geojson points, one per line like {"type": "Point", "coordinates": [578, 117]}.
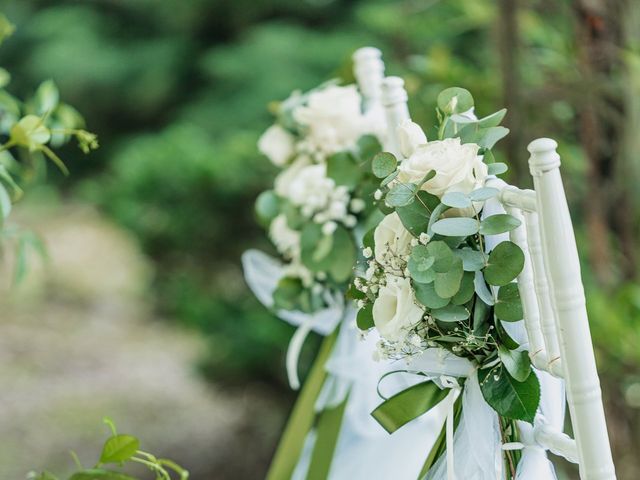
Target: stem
{"type": "Point", "coordinates": [507, 453]}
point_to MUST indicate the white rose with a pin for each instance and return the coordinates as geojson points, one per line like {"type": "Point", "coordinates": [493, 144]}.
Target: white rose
{"type": "Point", "coordinates": [333, 117]}
{"type": "Point", "coordinates": [277, 144]}
{"type": "Point", "coordinates": [458, 167]}
{"type": "Point", "coordinates": [391, 239]}
{"type": "Point", "coordinates": [289, 175]}
{"type": "Point", "coordinates": [286, 240]}
{"type": "Point", "coordinates": [395, 310]}
{"type": "Point", "coordinates": [410, 135]}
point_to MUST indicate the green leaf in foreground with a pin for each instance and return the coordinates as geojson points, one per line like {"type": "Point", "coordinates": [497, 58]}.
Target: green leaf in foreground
{"type": "Point", "coordinates": [508, 308]}
{"type": "Point", "coordinates": [100, 474]}
{"type": "Point", "coordinates": [427, 296]}
{"type": "Point", "coordinates": [455, 100]}
{"type": "Point", "coordinates": [415, 216]}
{"type": "Point", "coordinates": [510, 398]}
{"type": "Point", "coordinates": [343, 169]}
{"type": "Point", "coordinates": [497, 168]}
{"type": "Point", "coordinates": [456, 227]}
{"type": "Point", "coordinates": [506, 261]}
{"type": "Point", "coordinates": [456, 200]}
{"type": "Point", "coordinates": [364, 319]}
{"type": "Point", "coordinates": [384, 164]}
{"type": "Point", "coordinates": [267, 206]}
{"type": "Point", "coordinates": [401, 194]}
{"type": "Point", "coordinates": [119, 448]}
{"type": "Point", "coordinates": [447, 283]}
{"type": "Point", "coordinates": [499, 223]}
{"type": "Point", "coordinates": [516, 362]}
{"type": "Point", "coordinates": [451, 313]}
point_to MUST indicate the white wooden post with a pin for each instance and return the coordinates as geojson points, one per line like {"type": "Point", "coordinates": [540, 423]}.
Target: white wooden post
{"type": "Point", "coordinates": [394, 100]}
{"type": "Point", "coordinates": [368, 68]}
{"type": "Point", "coordinates": [567, 293]}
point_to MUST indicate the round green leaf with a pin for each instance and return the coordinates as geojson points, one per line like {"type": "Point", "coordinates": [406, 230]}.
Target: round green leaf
{"type": "Point", "coordinates": [508, 308]}
{"type": "Point", "coordinates": [472, 260]}
{"type": "Point", "coordinates": [427, 296]}
{"type": "Point", "coordinates": [447, 283]}
{"type": "Point", "coordinates": [401, 194]}
{"type": "Point", "coordinates": [267, 206]}
{"type": "Point", "coordinates": [450, 313]}
{"type": "Point", "coordinates": [415, 216]}
{"type": "Point", "coordinates": [497, 168]}
{"type": "Point", "coordinates": [384, 164]}
{"type": "Point", "coordinates": [466, 289]}
{"type": "Point", "coordinates": [368, 146]}
{"type": "Point", "coordinates": [442, 254]}
{"type": "Point", "coordinates": [343, 169]}
{"type": "Point", "coordinates": [420, 263]}
{"type": "Point", "coordinates": [456, 227]}
{"type": "Point", "coordinates": [484, 193]}
{"type": "Point", "coordinates": [455, 100]}
{"type": "Point", "coordinates": [499, 223]}
{"type": "Point", "coordinates": [506, 261]}
{"type": "Point", "coordinates": [456, 200]}
{"type": "Point", "coordinates": [119, 448]}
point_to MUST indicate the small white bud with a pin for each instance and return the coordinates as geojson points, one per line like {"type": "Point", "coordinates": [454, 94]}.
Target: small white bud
{"type": "Point", "coordinates": [377, 194]}
{"type": "Point", "coordinates": [329, 227]}
{"type": "Point", "coordinates": [414, 242]}
{"type": "Point", "coordinates": [424, 238]}
{"type": "Point", "coordinates": [367, 252]}
{"type": "Point", "coordinates": [350, 221]}
{"type": "Point", "coordinates": [357, 205]}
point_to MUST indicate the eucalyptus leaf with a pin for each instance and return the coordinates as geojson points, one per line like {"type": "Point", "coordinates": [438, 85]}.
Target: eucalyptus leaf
{"type": "Point", "coordinates": [510, 398]}
{"type": "Point", "coordinates": [456, 200]}
{"type": "Point", "coordinates": [455, 100]}
{"type": "Point", "coordinates": [488, 137]}
{"type": "Point", "coordinates": [443, 255]}
{"type": "Point", "coordinates": [420, 263]}
{"type": "Point", "coordinates": [481, 289]}
{"type": "Point", "coordinates": [384, 164]}
{"type": "Point", "coordinates": [516, 362]}
{"type": "Point", "coordinates": [390, 178]}
{"type": "Point", "coordinates": [508, 307]}
{"type": "Point", "coordinates": [447, 284]}
{"type": "Point", "coordinates": [401, 195]}
{"type": "Point", "coordinates": [427, 296]}
{"type": "Point", "coordinates": [323, 248]}
{"type": "Point", "coordinates": [497, 168]}
{"type": "Point", "coordinates": [484, 193]}
{"type": "Point", "coordinates": [368, 146]}
{"type": "Point", "coordinates": [504, 337]}
{"type": "Point", "coordinates": [415, 216]}
{"type": "Point", "coordinates": [498, 223]}
{"type": "Point", "coordinates": [456, 227]}
{"type": "Point", "coordinates": [450, 313]}
{"type": "Point", "coordinates": [343, 168]}
{"type": "Point", "coordinates": [472, 260]}
{"type": "Point", "coordinates": [267, 206]}
{"type": "Point", "coordinates": [506, 261]}
{"type": "Point", "coordinates": [466, 291]}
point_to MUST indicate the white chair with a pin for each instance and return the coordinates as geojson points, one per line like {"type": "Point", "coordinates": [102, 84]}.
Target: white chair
{"type": "Point", "coordinates": [555, 314]}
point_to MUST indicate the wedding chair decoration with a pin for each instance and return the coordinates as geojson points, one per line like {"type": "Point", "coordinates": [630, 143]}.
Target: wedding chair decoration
{"type": "Point", "coordinates": [332, 133]}
{"type": "Point", "coordinates": [450, 275]}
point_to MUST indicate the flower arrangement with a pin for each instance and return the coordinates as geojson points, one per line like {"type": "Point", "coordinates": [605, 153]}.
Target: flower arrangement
{"type": "Point", "coordinates": [438, 274]}
{"type": "Point", "coordinates": [322, 199]}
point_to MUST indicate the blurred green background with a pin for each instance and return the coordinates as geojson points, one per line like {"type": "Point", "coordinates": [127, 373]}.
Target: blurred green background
{"type": "Point", "coordinates": [178, 92]}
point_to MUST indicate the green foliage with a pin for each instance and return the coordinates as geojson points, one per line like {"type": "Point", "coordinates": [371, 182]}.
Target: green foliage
{"type": "Point", "coordinates": [517, 400]}
{"type": "Point", "coordinates": [121, 449]}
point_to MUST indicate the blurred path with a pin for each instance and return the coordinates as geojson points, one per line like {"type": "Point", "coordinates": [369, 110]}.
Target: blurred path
{"type": "Point", "coordinates": [78, 341]}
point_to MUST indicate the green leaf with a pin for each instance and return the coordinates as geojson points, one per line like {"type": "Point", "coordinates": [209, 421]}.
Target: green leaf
{"type": "Point", "coordinates": [420, 263]}
{"type": "Point", "coordinates": [384, 164]}
{"type": "Point", "coordinates": [466, 291]}
{"type": "Point", "coordinates": [426, 294]}
{"type": "Point", "coordinates": [119, 448]}
{"type": "Point", "coordinates": [499, 223]}
{"type": "Point", "coordinates": [504, 337]}
{"type": "Point", "coordinates": [339, 263]}
{"type": "Point", "coordinates": [401, 194]}
{"type": "Point", "coordinates": [481, 289]}
{"type": "Point", "coordinates": [490, 136]}
{"type": "Point", "coordinates": [472, 260]}
{"type": "Point", "coordinates": [267, 207]}
{"type": "Point", "coordinates": [390, 178]}
{"type": "Point", "coordinates": [497, 168]}
{"type": "Point", "coordinates": [30, 132]}
{"type": "Point", "coordinates": [484, 193]}
{"type": "Point", "coordinates": [456, 227]}
{"type": "Point", "coordinates": [447, 283]}
{"type": "Point", "coordinates": [46, 97]}
{"type": "Point", "coordinates": [287, 293]}
{"type": "Point", "coordinates": [364, 319]}
{"type": "Point", "coordinates": [408, 405]}
{"type": "Point", "coordinates": [100, 474]}
{"type": "Point", "coordinates": [368, 146]}
{"type": "Point", "coordinates": [510, 398]}
{"type": "Point", "coordinates": [516, 362]}
{"type": "Point", "coordinates": [415, 216]}
{"type": "Point", "coordinates": [344, 170]}
{"type": "Point", "coordinates": [494, 119]}
{"type": "Point", "coordinates": [442, 254]}
{"type": "Point", "coordinates": [508, 308]}
{"type": "Point", "coordinates": [480, 317]}
{"type": "Point", "coordinates": [506, 261]}
{"type": "Point", "coordinates": [456, 200]}
{"type": "Point", "coordinates": [455, 100]}
{"type": "Point", "coordinates": [5, 204]}
{"type": "Point", "coordinates": [451, 313]}
{"type": "Point", "coordinates": [323, 248]}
